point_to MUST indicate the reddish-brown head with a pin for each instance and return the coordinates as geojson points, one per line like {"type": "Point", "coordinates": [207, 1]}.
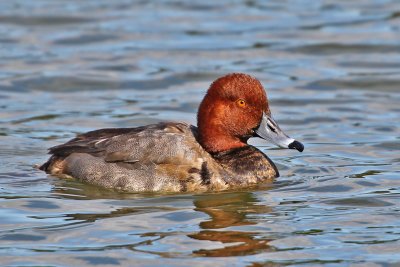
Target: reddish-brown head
{"type": "Point", "coordinates": [230, 112]}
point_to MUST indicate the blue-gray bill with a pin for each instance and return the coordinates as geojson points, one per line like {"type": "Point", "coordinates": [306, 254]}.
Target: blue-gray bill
{"type": "Point", "coordinates": [269, 130]}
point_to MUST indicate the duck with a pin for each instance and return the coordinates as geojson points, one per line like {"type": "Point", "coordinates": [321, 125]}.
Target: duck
{"type": "Point", "coordinates": [179, 157]}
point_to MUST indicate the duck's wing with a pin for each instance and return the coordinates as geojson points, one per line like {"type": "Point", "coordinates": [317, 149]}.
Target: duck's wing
{"type": "Point", "coordinates": [159, 157]}
{"type": "Point", "coordinates": [94, 141]}
{"type": "Point", "coordinates": [158, 143]}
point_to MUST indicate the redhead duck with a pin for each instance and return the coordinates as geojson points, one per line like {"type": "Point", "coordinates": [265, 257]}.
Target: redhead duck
{"type": "Point", "coordinates": [177, 157]}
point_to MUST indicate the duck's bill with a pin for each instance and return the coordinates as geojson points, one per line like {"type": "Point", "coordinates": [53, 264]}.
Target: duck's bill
{"type": "Point", "coordinates": [269, 130]}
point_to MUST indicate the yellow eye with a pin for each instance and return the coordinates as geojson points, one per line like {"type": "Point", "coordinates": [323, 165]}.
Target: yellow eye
{"type": "Point", "coordinates": [241, 103]}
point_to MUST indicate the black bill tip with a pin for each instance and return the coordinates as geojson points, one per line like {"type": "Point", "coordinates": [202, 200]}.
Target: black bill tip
{"type": "Point", "coordinates": [296, 145]}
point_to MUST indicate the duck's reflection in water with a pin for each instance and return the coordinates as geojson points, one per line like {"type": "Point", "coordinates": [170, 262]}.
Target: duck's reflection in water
{"type": "Point", "coordinates": [228, 210]}
{"type": "Point", "coordinates": [230, 221]}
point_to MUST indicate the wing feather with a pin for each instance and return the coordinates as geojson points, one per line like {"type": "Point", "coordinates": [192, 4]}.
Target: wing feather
{"type": "Point", "coordinates": [157, 143]}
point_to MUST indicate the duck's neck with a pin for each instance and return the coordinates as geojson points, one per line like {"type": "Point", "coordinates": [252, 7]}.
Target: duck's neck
{"type": "Point", "coordinates": [214, 140]}
{"type": "Point", "coordinates": [213, 132]}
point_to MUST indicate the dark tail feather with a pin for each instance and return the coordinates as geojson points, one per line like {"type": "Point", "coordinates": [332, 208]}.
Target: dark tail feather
{"type": "Point", "coordinates": [47, 164]}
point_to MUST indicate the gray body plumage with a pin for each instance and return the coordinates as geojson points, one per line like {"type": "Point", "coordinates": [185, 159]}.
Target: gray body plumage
{"type": "Point", "coordinates": [160, 157]}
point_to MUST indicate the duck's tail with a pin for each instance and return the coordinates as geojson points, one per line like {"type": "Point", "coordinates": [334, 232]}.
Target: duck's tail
{"type": "Point", "coordinates": [48, 164]}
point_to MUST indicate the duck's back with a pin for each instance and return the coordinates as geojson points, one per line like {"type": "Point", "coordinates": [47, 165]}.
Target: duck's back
{"type": "Point", "coordinates": [159, 157]}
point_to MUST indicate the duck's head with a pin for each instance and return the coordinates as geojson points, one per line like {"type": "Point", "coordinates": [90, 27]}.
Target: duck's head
{"type": "Point", "coordinates": [234, 109]}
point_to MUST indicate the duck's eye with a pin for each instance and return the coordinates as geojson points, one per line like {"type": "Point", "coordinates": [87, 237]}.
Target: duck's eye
{"type": "Point", "coordinates": [241, 103]}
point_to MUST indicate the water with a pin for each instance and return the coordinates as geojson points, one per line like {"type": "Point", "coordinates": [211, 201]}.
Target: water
{"type": "Point", "coordinates": [332, 71]}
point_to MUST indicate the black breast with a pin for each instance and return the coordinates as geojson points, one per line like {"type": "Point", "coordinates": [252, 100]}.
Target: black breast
{"type": "Point", "coordinates": [246, 161]}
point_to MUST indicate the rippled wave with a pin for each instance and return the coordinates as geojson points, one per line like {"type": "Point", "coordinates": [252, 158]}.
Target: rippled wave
{"type": "Point", "coordinates": [332, 73]}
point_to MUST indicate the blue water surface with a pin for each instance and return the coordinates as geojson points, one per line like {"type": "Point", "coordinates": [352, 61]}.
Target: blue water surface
{"type": "Point", "coordinates": [332, 74]}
